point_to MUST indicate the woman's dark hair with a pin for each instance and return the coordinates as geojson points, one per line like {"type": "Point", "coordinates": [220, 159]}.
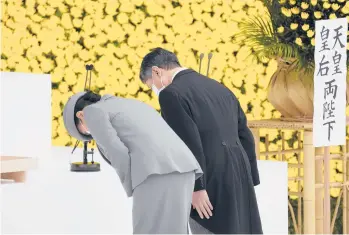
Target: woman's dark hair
{"type": "Point", "coordinates": [85, 100]}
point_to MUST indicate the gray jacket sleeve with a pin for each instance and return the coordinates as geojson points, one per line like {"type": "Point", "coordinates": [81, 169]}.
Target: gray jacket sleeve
{"type": "Point", "coordinates": [99, 124]}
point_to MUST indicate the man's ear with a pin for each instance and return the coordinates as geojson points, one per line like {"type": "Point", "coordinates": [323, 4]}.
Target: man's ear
{"type": "Point", "coordinates": [155, 70]}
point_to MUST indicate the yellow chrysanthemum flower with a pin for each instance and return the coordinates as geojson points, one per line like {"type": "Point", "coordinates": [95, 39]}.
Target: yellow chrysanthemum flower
{"type": "Point", "coordinates": [76, 12]}
{"type": "Point", "coordinates": [35, 18]}
{"type": "Point", "coordinates": [122, 18]}
{"type": "Point", "coordinates": [298, 41]}
{"type": "Point", "coordinates": [137, 2]}
{"type": "Point", "coordinates": [56, 112]}
{"type": "Point", "coordinates": [286, 12]}
{"type": "Point", "coordinates": [294, 26]}
{"type": "Point", "coordinates": [345, 10]}
{"type": "Point", "coordinates": [312, 41]}
{"type": "Point", "coordinates": [313, 2]}
{"type": "Point", "coordinates": [305, 27]}
{"type": "Point", "coordinates": [295, 10]}
{"type": "Point", "coordinates": [63, 87]}
{"type": "Point", "coordinates": [61, 62]}
{"type": "Point", "coordinates": [46, 65]}
{"type": "Point", "coordinates": [304, 5]}
{"type": "Point", "coordinates": [280, 29]}
{"type": "Point", "coordinates": [77, 23]}
{"type": "Point", "coordinates": [335, 6]}
{"type": "Point", "coordinates": [23, 66]}
{"type": "Point", "coordinates": [292, 2]}
{"type": "Point", "coordinates": [346, 4]}
{"type": "Point", "coordinates": [111, 7]}
{"type": "Point", "coordinates": [66, 21]}
{"type": "Point", "coordinates": [137, 16]}
{"type": "Point", "coordinates": [41, 10]}
{"type": "Point", "coordinates": [332, 16]}
{"type": "Point", "coordinates": [326, 5]}
{"type": "Point", "coordinates": [310, 33]}
{"type": "Point", "coordinates": [317, 14]}
{"type": "Point", "coordinates": [304, 15]}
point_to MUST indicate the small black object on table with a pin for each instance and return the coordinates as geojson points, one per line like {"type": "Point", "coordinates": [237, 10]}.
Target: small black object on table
{"type": "Point", "coordinates": [85, 166]}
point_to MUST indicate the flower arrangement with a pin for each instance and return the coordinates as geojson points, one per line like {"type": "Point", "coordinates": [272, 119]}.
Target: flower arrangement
{"type": "Point", "coordinates": [288, 30]}
{"type": "Point", "coordinates": [59, 37]}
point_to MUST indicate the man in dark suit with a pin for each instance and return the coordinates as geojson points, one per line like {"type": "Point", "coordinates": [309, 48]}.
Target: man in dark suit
{"type": "Point", "coordinates": [209, 119]}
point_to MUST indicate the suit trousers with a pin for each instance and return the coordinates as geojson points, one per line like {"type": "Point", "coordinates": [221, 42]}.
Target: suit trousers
{"type": "Point", "coordinates": [162, 204]}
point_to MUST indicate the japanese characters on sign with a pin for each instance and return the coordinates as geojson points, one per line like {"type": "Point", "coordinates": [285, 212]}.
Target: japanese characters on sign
{"type": "Point", "coordinates": [330, 82]}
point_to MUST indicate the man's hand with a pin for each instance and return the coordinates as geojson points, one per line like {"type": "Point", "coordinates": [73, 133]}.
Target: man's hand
{"type": "Point", "coordinates": [202, 204]}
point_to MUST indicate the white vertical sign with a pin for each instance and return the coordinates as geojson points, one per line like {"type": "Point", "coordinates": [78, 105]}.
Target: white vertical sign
{"type": "Point", "coordinates": [330, 74]}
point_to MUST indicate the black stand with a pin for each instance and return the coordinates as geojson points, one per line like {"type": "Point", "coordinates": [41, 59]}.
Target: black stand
{"type": "Point", "coordinates": [85, 166]}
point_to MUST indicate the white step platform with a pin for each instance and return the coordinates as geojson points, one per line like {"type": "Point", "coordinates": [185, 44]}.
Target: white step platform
{"type": "Point", "coordinates": [54, 200]}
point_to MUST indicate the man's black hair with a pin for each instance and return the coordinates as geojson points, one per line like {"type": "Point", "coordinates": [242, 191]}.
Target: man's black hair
{"type": "Point", "coordinates": [158, 57]}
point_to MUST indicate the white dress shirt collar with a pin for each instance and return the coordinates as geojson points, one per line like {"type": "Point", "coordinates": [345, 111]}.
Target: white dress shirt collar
{"type": "Point", "coordinates": [179, 70]}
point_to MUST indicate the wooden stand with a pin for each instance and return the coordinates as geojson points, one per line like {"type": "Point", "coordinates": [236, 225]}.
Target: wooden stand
{"type": "Point", "coordinates": [319, 196]}
{"type": "Point", "coordinates": [309, 182]}
{"type": "Point", "coordinates": [316, 176]}
{"type": "Point", "coordinates": [15, 168]}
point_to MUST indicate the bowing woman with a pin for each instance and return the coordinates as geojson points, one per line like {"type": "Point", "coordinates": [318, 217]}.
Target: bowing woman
{"type": "Point", "coordinates": [155, 167]}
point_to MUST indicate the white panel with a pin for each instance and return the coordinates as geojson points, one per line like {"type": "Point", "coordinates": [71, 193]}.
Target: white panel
{"type": "Point", "coordinates": [25, 114]}
{"type": "Point", "coordinates": [272, 196]}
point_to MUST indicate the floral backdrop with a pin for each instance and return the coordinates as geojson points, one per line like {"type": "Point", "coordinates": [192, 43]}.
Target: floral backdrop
{"type": "Point", "coordinates": [60, 36]}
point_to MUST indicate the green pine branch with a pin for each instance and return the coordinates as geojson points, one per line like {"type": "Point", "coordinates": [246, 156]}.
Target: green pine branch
{"type": "Point", "coordinates": [259, 34]}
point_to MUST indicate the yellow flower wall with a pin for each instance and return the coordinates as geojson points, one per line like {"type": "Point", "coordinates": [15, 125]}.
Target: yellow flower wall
{"type": "Point", "coordinates": [60, 37]}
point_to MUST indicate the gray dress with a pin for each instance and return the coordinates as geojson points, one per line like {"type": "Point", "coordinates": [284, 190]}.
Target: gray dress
{"type": "Point", "coordinates": [153, 163]}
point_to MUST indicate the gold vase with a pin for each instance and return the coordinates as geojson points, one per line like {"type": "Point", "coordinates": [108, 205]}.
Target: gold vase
{"type": "Point", "coordinates": [291, 92]}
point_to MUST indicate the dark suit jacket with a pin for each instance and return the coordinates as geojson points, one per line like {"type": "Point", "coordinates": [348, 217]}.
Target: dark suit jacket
{"type": "Point", "coordinates": [209, 119]}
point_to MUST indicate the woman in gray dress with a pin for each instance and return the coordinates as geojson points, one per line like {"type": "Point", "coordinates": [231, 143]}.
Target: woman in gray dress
{"type": "Point", "coordinates": [152, 162]}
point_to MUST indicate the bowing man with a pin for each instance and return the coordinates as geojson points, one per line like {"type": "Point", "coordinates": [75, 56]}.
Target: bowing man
{"type": "Point", "coordinates": [208, 117]}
